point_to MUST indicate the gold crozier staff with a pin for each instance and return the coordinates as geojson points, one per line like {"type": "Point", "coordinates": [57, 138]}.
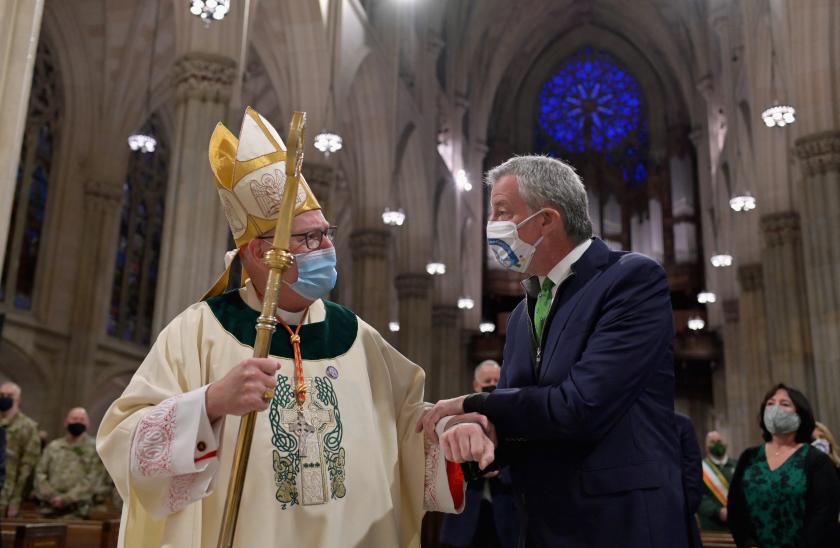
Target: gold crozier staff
{"type": "Point", "coordinates": [278, 260]}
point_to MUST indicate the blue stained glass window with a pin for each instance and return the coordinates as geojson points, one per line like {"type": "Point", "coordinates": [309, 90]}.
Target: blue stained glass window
{"type": "Point", "coordinates": [138, 247]}
{"type": "Point", "coordinates": [593, 104]}
{"type": "Point", "coordinates": [28, 216]}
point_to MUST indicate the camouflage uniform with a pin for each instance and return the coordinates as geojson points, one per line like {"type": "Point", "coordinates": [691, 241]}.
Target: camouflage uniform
{"type": "Point", "coordinates": [68, 470]}
{"type": "Point", "coordinates": [22, 451]}
{"type": "Point", "coordinates": [105, 495]}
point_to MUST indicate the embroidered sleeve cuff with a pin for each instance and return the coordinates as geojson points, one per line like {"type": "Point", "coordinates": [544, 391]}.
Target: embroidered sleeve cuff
{"type": "Point", "coordinates": [474, 403]}
{"type": "Point", "coordinates": [175, 437]}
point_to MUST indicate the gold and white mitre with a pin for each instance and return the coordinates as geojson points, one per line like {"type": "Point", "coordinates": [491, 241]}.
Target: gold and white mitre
{"type": "Point", "coordinates": [250, 178]}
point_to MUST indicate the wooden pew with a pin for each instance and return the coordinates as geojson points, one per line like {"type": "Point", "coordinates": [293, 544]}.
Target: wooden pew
{"type": "Point", "coordinates": [79, 533]}
{"type": "Point", "coordinates": [717, 539]}
{"type": "Point", "coordinates": [34, 535]}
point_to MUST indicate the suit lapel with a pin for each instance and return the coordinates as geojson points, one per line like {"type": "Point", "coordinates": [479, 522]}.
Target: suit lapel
{"type": "Point", "coordinates": [569, 294]}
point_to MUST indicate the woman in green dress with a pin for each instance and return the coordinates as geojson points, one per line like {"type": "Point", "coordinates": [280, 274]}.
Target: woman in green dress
{"type": "Point", "coordinates": [785, 493]}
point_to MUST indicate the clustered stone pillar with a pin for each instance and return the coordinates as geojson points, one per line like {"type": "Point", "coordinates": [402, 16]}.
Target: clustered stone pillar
{"type": "Point", "coordinates": [195, 232]}
{"type": "Point", "coordinates": [320, 179]}
{"type": "Point", "coordinates": [788, 330]}
{"type": "Point", "coordinates": [92, 295]}
{"type": "Point", "coordinates": [752, 338]}
{"type": "Point", "coordinates": [446, 353]}
{"type": "Point", "coordinates": [20, 26]}
{"type": "Point", "coordinates": [738, 414]}
{"type": "Point", "coordinates": [415, 307]}
{"type": "Point", "coordinates": [371, 280]}
{"type": "Point", "coordinates": [819, 156]}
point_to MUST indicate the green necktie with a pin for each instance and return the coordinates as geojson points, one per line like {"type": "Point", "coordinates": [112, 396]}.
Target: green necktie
{"type": "Point", "coordinates": [543, 306]}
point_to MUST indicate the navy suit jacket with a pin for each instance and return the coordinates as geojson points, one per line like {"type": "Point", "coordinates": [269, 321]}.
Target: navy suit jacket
{"type": "Point", "coordinates": [460, 530]}
{"type": "Point", "coordinates": [692, 475]}
{"type": "Point", "coordinates": [586, 422]}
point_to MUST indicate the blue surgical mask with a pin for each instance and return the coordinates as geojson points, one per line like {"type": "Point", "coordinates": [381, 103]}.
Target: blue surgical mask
{"type": "Point", "coordinates": [316, 274]}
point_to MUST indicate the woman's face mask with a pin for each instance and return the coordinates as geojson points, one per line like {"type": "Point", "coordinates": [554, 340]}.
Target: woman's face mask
{"type": "Point", "coordinates": [510, 250]}
{"type": "Point", "coordinates": [779, 420]}
{"type": "Point", "coordinates": [316, 273]}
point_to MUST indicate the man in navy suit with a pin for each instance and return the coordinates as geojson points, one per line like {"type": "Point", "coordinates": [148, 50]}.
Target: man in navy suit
{"type": "Point", "coordinates": [583, 414]}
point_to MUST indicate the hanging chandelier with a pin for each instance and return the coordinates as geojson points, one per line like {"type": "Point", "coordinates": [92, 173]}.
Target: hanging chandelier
{"type": "Point", "coordinates": [487, 327]}
{"type": "Point", "coordinates": [209, 10]}
{"type": "Point", "coordinates": [465, 303]}
{"type": "Point", "coordinates": [393, 327]}
{"type": "Point", "coordinates": [779, 115]}
{"type": "Point", "coordinates": [742, 202]}
{"type": "Point", "coordinates": [328, 142]}
{"type": "Point", "coordinates": [436, 269]}
{"type": "Point", "coordinates": [393, 217]}
{"type": "Point", "coordinates": [706, 297]}
{"type": "Point", "coordinates": [696, 323]}
{"type": "Point", "coordinates": [142, 142]}
{"type": "Point", "coordinates": [721, 260]}
{"type": "Point", "coordinates": [462, 181]}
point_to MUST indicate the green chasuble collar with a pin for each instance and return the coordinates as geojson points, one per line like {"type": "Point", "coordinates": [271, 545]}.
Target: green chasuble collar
{"type": "Point", "coordinates": [319, 341]}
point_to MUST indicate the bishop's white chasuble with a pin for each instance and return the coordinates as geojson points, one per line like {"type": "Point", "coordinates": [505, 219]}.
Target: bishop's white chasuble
{"type": "Point", "coordinates": [345, 470]}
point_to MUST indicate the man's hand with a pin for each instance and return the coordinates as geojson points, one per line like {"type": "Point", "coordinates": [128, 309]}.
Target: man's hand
{"type": "Point", "coordinates": [242, 389]}
{"type": "Point", "coordinates": [12, 511]}
{"type": "Point", "coordinates": [56, 502]}
{"type": "Point", "coordinates": [723, 514]}
{"type": "Point", "coordinates": [443, 408]}
{"type": "Point", "coordinates": [466, 442]}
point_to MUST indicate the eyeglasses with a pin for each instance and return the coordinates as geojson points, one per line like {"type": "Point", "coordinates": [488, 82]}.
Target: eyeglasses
{"type": "Point", "coordinates": [312, 239]}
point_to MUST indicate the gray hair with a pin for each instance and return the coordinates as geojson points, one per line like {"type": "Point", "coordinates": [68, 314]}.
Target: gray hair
{"type": "Point", "coordinates": [485, 363]}
{"type": "Point", "coordinates": [545, 181]}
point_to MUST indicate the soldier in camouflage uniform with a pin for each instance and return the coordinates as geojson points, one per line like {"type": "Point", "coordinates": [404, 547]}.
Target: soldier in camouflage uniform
{"type": "Point", "coordinates": [67, 476]}
{"type": "Point", "coordinates": [22, 449]}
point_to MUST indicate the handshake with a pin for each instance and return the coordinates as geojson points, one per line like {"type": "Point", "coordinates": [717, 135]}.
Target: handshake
{"type": "Point", "coordinates": [463, 437]}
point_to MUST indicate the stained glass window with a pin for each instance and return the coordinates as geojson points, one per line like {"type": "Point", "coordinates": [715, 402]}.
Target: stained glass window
{"type": "Point", "coordinates": [593, 104]}
{"type": "Point", "coordinates": [138, 248]}
{"type": "Point", "coordinates": [33, 176]}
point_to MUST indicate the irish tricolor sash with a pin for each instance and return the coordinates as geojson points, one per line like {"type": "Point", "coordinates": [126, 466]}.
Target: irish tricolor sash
{"type": "Point", "coordinates": [715, 481]}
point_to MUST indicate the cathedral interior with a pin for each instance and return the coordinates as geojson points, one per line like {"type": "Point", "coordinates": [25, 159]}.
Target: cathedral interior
{"type": "Point", "coordinates": [707, 134]}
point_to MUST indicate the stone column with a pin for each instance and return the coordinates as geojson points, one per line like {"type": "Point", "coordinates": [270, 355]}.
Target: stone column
{"type": "Point", "coordinates": [785, 296]}
{"type": "Point", "coordinates": [92, 292]}
{"type": "Point", "coordinates": [738, 414]}
{"type": "Point", "coordinates": [753, 339]}
{"type": "Point", "coordinates": [446, 353]}
{"type": "Point", "coordinates": [321, 179]}
{"type": "Point", "coordinates": [819, 156]}
{"type": "Point", "coordinates": [19, 30]}
{"type": "Point", "coordinates": [415, 307]}
{"type": "Point", "coordinates": [371, 280]}
{"type": "Point", "coordinates": [195, 232]}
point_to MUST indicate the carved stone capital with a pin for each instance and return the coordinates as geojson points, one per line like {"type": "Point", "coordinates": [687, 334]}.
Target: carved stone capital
{"type": "Point", "coordinates": [204, 77]}
{"type": "Point", "coordinates": [445, 316]}
{"type": "Point", "coordinates": [819, 153]}
{"type": "Point", "coordinates": [731, 312]}
{"type": "Point", "coordinates": [320, 179]}
{"type": "Point", "coordinates": [781, 228]}
{"type": "Point", "coordinates": [413, 286]}
{"type": "Point", "coordinates": [751, 277]}
{"type": "Point", "coordinates": [369, 244]}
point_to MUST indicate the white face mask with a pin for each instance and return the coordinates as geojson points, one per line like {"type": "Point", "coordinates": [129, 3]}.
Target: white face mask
{"type": "Point", "coordinates": [511, 252]}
